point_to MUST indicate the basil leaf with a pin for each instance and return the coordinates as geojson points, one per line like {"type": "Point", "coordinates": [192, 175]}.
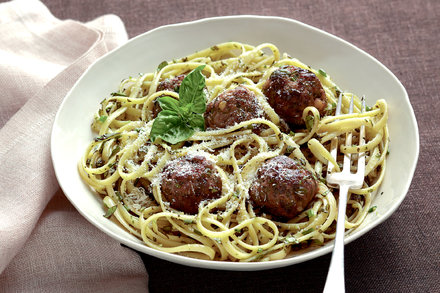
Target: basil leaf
{"type": "Point", "coordinates": [169, 103]}
{"type": "Point", "coordinates": [197, 122]}
{"type": "Point", "coordinates": [191, 91]}
{"type": "Point", "coordinates": [179, 119]}
{"type": "Point", "coordinates": [170, 127]}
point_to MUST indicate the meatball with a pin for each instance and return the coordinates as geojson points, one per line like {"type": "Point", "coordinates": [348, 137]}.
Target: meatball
{"type": "Point", "coordinates": [283, 187]}
{"type": "Point", "coordinates": [169, 84]}
{"type": "Point", "coordinates": [189, 180]}
{"type": "Point", "coordinates": [231, 107]}
{"type": "Point", "coordinates": [290, 89]}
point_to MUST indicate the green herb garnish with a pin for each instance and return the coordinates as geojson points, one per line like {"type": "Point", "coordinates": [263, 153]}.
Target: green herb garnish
{"type": "Point", "coordinates": [118, 95]}
{"type": "Point", "coordinates": [115, 151]}
{"type": "Point", "coordinates": [310, 213]}
{"type": "Point", "coordinates": [309, 122]}
{"type": "Point", "coordinates": [110, 211]}
{"type": "Point", "coordinates": [322, 72]}
{"type": "Point", "coordinates": [290, 149]}
{"type": "Point", "coordinates": [162, 65]}
{"type": "Point", "coordinates": [118, 195]}
{"type": "Point", "coordinates": [102, 118]}
{"type": "Point", "coordinates": [308, 231]}
{"type": "Point", "coordinates": [372, 209]}
{"type": "Point", "coordinates": [179, 119]}
{"type": "Point", "coordinates": [108, 136]}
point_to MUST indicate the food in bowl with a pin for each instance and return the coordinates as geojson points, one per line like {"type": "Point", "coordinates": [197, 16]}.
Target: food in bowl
{"type": "Point", "coordinates": [222, 154]}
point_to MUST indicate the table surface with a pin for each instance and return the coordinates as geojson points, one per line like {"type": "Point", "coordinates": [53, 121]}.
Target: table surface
{"type": "Point", "coordinates": [400, 255]}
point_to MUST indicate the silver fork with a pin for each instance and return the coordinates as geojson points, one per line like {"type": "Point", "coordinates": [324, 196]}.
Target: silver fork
{"type": "Point", "coordinates": [345, 179]}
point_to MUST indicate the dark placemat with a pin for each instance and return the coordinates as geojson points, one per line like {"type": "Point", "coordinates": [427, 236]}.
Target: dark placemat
{"type": "Point", "coordinates": [400, 255]}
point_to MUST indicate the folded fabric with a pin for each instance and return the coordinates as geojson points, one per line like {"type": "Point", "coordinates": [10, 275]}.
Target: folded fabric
{"type": "Point", "coordinates": [49, 248]}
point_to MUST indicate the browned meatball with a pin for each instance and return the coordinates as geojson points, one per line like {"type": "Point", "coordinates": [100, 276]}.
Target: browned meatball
{"type": "Point", "coordinates": [290, 89]}
{"type": "Point", "coordinates": [283, 187]}
{"type": "Point", "coordinates": [231, 107]}
{"type": "Point", "coordinates": [189, 180]}
{"type": "Point", "coordinates": [171, 84]}
{"type": "Point", "coordinates": [168, 84]}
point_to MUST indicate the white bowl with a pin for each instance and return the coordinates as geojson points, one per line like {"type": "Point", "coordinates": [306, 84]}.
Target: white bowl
{"type": "Point", "coordinates": [351, 68]}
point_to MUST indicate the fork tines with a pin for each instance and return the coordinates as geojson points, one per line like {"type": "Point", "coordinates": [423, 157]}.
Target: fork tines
{"type": "Point", "coordinates": [333, 178]}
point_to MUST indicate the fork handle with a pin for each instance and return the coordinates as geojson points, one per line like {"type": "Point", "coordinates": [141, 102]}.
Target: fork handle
{"type": "Point", "coordinates": [335, 278]}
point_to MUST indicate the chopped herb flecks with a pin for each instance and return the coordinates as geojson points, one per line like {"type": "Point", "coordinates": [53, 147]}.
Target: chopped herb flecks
{"type": "Point", "coordinates": [107, 136]}
{"type": "Point", "coordinates": [372, 209]}
{"type": "Point", "coordinates": [118, 95]}
{"type": "Point", "coordinates": [309, 122]}
{"type": "Point", "coordinates": [110, 211]}
{"type": "Point", "coordinates": [162, 65]}
{"type": "Point", "coordinates": [322, 72]}
{"type": "Point", "coordinates": [118, 195]}
{"type": "Point", "coordinates": [102, 118]}
{"type": "Point", "coordinates": [308, 231]}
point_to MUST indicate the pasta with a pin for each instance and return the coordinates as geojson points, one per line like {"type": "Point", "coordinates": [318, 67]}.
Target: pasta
{"type": "Point", "coordinates": [126, 167]}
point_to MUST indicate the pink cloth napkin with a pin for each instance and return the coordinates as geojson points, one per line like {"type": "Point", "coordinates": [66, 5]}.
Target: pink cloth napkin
{"type": "Point", "coordinates": [45, 244]}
